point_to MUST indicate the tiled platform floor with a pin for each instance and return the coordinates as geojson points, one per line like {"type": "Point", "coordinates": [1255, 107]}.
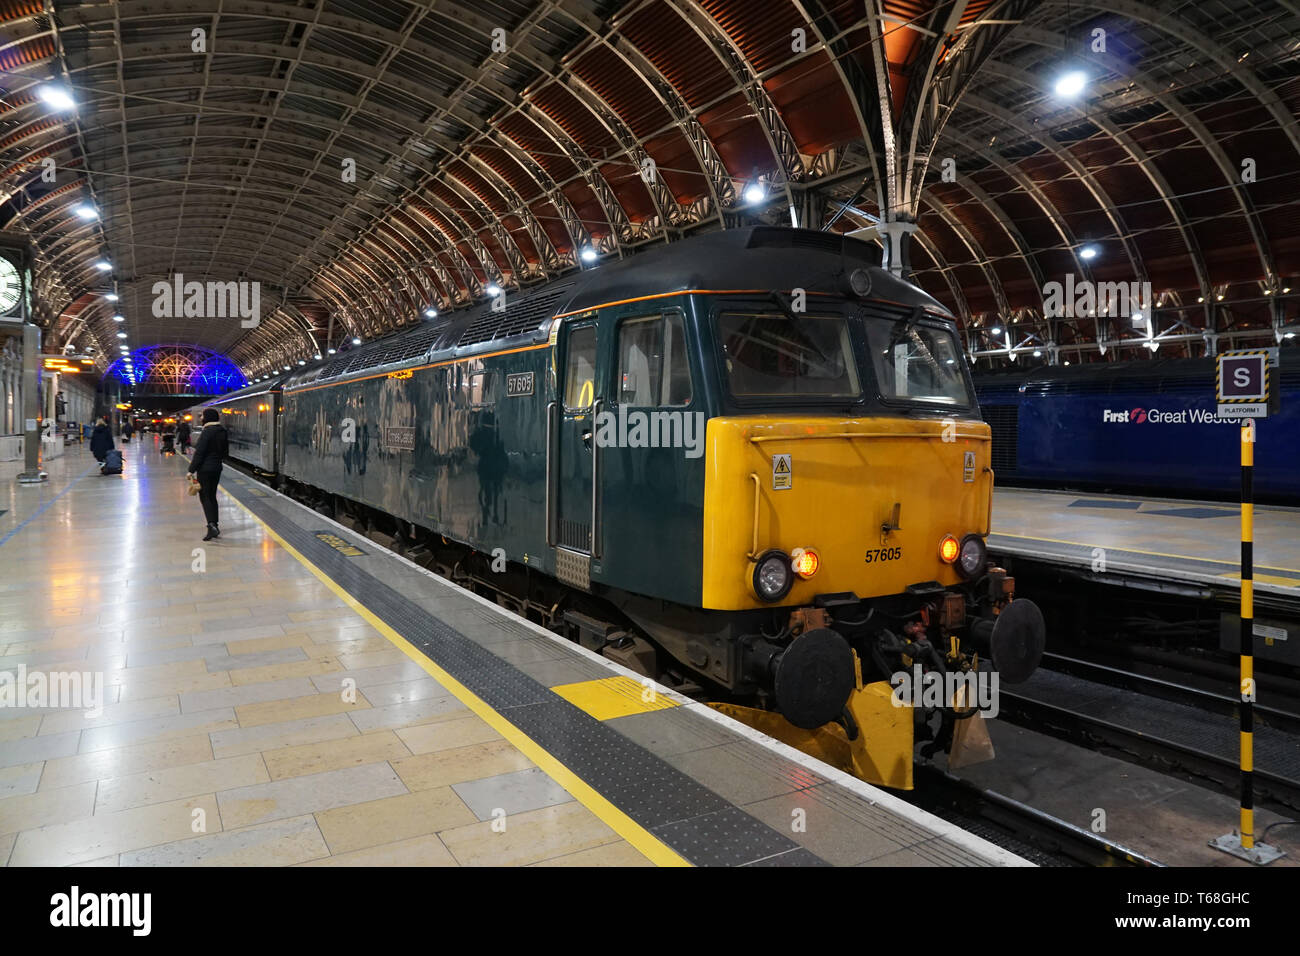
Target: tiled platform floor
{"type": "Point", "coordinates": [1178, 540]}
{"type": "Point", "coordinates": [225, 737]}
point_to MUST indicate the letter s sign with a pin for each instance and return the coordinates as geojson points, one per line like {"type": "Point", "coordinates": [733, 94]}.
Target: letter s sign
{"type": "Point", "coordinates": [1241, 376]}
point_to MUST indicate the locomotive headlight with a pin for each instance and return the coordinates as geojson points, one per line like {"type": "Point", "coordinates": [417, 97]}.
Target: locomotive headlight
{"type": "Point", "coordinates": [972, 557]}
{"type": "Point", "coordinates": [805, 562]}
{"type": "Point", "coordinates": [772, 576]}
{"type": "Point", "coordinates": [949, 549]}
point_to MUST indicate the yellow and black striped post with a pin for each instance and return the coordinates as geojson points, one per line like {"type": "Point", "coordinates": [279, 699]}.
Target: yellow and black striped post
{"type": "Point", "coordinates": [1247, 632]}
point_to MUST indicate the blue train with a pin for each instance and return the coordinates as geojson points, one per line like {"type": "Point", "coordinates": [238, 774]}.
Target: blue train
{"type": "Point", "coordinates": [1137, 427]}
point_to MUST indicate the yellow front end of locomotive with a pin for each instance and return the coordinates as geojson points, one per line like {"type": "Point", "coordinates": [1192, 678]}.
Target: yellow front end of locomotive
{"type": "Point", "coordinates": [873, 498]}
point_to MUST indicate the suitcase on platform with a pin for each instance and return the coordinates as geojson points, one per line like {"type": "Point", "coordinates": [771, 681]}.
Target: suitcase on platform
{"type": "Point", "coordinates": [112, 463]}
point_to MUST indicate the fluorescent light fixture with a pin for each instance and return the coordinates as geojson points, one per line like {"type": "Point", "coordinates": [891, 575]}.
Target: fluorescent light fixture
{"type": "Point", "coordinates": [86, 212]}
{"type": "Point", "coordinates": [121, 335]}
{"type": "Point", "coordinates": [755, 192]}
{"type": "Point", "coordinates": [1069, 85]}
{"type": "Point", "coordinates": [494, 289]}
{"type": "Point", "coordinates": [588, 254]}
{"type": "Point", "coordinates": [431, 313]}
{"type": "Point", "coordinates": [119, 318]}
{"type": "Point", "coordinates": [1088, 252]}
{"type": "Point", "coordinates": [103, 266]}
{"type": "Point", "coordinates": [110, 296]}
{"type": "Point", "coordinates": [302, 361]}
{"type": "Point", "coordinates": [57, 97]}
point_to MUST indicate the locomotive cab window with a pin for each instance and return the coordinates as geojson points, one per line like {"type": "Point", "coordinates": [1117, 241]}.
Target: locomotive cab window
{"type": "Point", "coordinates": [767, 354]}
{"type": "Point", "coordinates": [580, 369]}
{"type": "Point", "coordinates": [652, 364]}
{"type": "Point", "coordinates": [917, 363]}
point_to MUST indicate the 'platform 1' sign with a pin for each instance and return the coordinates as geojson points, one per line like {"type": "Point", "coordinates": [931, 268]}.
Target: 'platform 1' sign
{"type": "Point", "coordinates": [1242, 383]}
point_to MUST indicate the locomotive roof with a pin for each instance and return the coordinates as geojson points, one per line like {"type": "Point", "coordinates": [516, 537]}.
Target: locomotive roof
{"type": "Point", "coordinates": [753, 258]}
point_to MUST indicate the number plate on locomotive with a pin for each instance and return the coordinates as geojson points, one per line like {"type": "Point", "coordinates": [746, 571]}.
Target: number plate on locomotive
{"type": "Point", "coordinates": [519, 384]}
{"type": "Point", "coordinates": [884, 554]}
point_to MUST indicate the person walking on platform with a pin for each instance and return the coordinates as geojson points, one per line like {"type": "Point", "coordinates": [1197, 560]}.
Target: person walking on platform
{"type": "Point", "coordinates": [205, 466]}
{"type": "Point", "coordinates": [183, 436]}
{"type": "Point", "coordinates": [126, 430]}
{"type": "Point", "coordinates": [101, 439]}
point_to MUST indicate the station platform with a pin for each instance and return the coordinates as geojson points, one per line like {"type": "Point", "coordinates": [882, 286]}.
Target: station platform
{"type": "Point", "coordinates": [1170, 544]}
{"type": "Point", "coordinates": [293, 694]}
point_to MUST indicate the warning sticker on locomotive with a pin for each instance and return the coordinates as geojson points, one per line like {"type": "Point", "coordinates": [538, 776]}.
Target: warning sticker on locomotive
{"type": "Point", "coordinates": [519, 384]}
{"type": "Point", "coordinates": [399, 438]}
{"type": "Point", "coordinates": [968, 467]}
{"type": "Point", "coordinates": [782, 476]}
{"type": "Point", "coordinates": [338, 544]}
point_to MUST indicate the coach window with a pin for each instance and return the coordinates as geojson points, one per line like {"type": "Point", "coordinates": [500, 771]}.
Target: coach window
{"type": "Point", "coordinates": [652, 365]}
{"type": "Point", "coordinates": [580, 371]}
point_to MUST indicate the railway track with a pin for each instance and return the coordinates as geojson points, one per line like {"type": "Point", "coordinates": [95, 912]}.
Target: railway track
{"type": "Point", "coordinates": [1016, 826]}
{"type": "Point", "coordinates": [1194, 755]}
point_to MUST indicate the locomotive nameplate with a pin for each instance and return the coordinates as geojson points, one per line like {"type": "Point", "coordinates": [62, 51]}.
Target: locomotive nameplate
{"type": "Point", "coordinates": [399, 438]}
{"type": "Point", "coordinates": [519, 384]}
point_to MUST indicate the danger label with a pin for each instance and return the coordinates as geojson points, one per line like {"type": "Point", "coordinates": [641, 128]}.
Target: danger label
{"type": "Point", "coordinates": [781, 474]}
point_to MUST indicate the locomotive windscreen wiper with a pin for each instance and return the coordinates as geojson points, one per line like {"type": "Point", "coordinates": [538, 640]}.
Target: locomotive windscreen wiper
{"type": "Point", "coordinates": [800, 326]}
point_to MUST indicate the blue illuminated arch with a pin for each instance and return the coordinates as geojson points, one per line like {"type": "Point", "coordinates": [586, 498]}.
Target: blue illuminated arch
{"type": "Point", "coordinates": [179, 370]}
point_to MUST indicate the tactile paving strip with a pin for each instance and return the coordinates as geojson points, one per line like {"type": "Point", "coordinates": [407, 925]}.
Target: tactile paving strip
{"type": "Point", "coordinates": [682, 813]}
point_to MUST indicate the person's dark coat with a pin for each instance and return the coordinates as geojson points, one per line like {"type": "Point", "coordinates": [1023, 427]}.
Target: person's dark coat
{"type": "Point", "coordinates": [183, 433]}
{"type": "Point", "coordinates": [101, 440]}
{"type": "Point", "coordinates": [211, 450]}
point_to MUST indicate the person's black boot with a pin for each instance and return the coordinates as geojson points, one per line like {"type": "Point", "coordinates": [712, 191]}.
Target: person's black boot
{"type": "Point", "coordinates": [216, 532]}
{"type": "Point", "coordinates": [212, 533]}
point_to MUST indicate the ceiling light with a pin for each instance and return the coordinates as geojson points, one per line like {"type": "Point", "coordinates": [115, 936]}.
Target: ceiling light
{"type": "Point", "coordinates": [119, 318]}
{"type": "Point", "coordinates": [1137, 316]}
{"type": "Point", "coordinates": [1067, 362]}
{"type": "Point", "coordinates": [286, 368]}
{"type": "Point", "coordinates": [86, 212]}
{"type": "Point", "coordinates": [121, 335]}
{"type": "Point", "coordinates": [1038, 353]}
{"type": "Point", "coordinates": [110, 296]}
{"type": "Point", "coordinates": [431, 313]}
{"type": "Point", "coordinates": [332, 351]}
{"type": "Point", "coordinates": [1088, 252]}
{"type": "Point", "coordinates": [755, 192]}
{"type": "Point", "coordinates": [356, 340]}
{"type": "Point", "coordinates": [1220, 298]}
{"type": "Point", "coordinates": [1200, 298]}
{"type": "Point", "coordinates": [57, 97]}
{"type": "Point", "coordinates": [494, 289]}
{"type": "Point", "coordinates": [588, 254]}
{"type": "Point", "coordinates": [316, 356]}
{"type": "Point", "coordinates": [302, 362]}
{"type": "Point", "coordinates": [996, 330]}
{"type": "Point", "coordinates": [103, 266]}
{"type": "Point", "coordinates": [1071, 84]}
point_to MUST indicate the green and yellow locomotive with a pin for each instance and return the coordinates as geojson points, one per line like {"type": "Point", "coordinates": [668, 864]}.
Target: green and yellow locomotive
{"type": "Point", "coordinates": [749, 464]}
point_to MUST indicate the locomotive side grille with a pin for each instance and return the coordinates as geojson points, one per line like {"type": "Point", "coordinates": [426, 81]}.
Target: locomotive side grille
{"type": "Point", "coordinates": [523, 313]}
{"type": "Point", "coordinates": [575, 534]}
{"type": "Point", "coordinates": [1004, 422]}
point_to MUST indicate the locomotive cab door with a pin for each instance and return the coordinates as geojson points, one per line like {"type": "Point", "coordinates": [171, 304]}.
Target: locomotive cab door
{"type": "Point", "coordinates": [573, 466]}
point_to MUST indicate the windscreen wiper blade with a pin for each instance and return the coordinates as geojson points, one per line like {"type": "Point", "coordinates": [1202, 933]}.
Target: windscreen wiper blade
{"type": "Point", "coordinates": [799, 326]}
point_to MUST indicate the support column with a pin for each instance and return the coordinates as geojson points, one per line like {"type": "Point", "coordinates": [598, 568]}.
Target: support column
{"type": "Point", "coordinates": [894, 236]}
{"type": "Point", "coordinates": [32, 474]}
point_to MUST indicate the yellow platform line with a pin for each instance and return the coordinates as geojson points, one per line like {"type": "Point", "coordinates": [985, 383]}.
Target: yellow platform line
{"type": "Point", "coordinates": [1126, 548]}
{"type": "Point", "coordinates": [638, 836]}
